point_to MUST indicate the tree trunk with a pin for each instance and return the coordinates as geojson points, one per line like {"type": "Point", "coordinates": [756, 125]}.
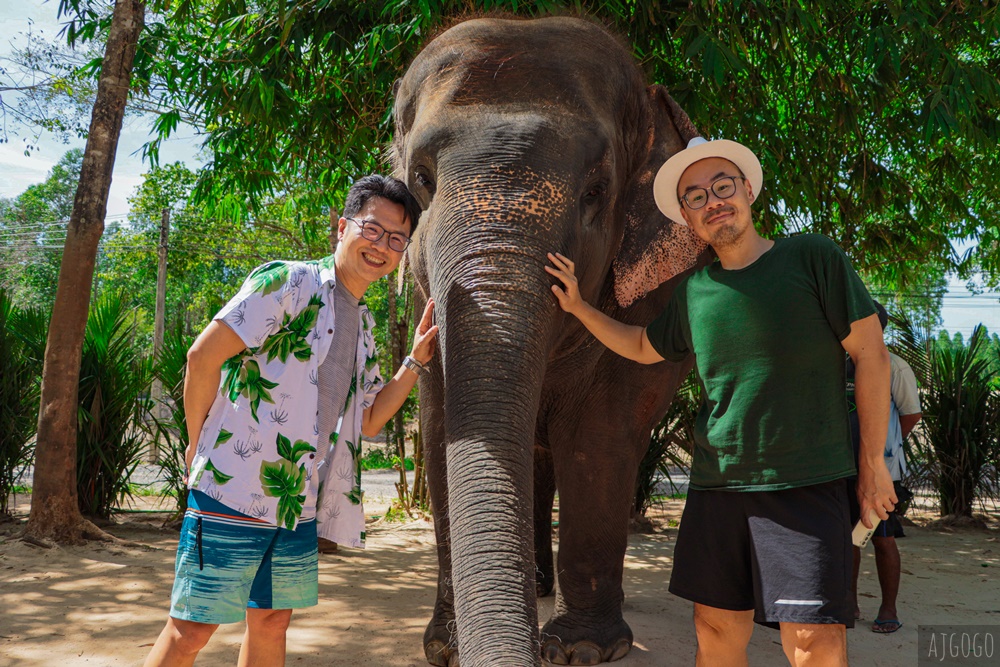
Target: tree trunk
{"type": "Point", "coordinates": [54, 510]}
{"type": "Point", "coordinates": [399, 328]}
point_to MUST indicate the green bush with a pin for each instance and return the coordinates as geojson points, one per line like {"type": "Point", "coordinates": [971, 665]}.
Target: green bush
{"type": "Point", "coordinates": [171, 429]}
{"type": "Point", "coordinates": [670, 444]}
{"type": "Point", "coordinates": [22, 345]}
{"type": "Point", "coordinates": [378, 459]}
{"type": "Point", "coordinates": [960, 447]}
{"type": "Point", "coordinates": [114, 379]}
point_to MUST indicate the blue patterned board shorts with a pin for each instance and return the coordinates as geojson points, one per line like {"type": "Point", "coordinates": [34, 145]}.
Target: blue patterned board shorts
{"type": "Point", "coordinates": [228, 561]}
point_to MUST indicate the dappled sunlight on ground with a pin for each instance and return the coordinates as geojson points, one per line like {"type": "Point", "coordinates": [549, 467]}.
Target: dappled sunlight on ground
{"type": "Point", "coordinates": [104, 604]}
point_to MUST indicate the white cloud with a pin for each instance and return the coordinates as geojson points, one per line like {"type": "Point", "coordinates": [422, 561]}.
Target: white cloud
{"type": "Point", "coordinates": [18, 171]}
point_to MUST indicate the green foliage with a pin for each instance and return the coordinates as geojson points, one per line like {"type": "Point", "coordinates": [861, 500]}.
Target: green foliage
{"type": "Point", "coordinates": [877, 122]}
{"type": "Point", "coordinates": [383, 459]}
{"type": "Point", "coordinates": [171, 428]}
{"type": "Point", "coordinates": [114, 379]}
{"type": "Point", "coordinates": [920, 303]}
{"type": "Point", "coordinates": [670, 444]}
{"type": "Point", "coordinates": [53, 86]}
{"type": "Point", "coordinates": [32, 233]}
{"type": "Point", "coordinates": [22, 345]}
{"type": "Point", "coordinates": [207, 258]}
{"type": "Point", "coordinates": [961, 425]}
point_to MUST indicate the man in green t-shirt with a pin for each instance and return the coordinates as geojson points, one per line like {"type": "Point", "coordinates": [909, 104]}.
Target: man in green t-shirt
{"type": "Point", "coordinates": [765, 535]}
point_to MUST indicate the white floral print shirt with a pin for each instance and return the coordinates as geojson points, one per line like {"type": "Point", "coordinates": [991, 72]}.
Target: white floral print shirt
{"type": "Point", "coordinates": [260, 450]}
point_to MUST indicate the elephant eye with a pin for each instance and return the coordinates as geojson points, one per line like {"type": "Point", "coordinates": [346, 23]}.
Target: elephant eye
{"type": "Point", "coordinates": [595, 193]}
{"type": "Point", "coordinates": [422, 187]}
{"type": "Point", "coordinates": [424, 181]}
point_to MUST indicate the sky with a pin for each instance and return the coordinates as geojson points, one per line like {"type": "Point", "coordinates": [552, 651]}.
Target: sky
{"type": "Point", "coordinates": [961, 312]}
{"type": "Point", "coordinates": [18, 171]}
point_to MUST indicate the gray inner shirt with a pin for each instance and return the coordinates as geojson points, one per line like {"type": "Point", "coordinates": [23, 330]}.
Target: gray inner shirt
{"type": "Point", "coordinates": [337, 370]}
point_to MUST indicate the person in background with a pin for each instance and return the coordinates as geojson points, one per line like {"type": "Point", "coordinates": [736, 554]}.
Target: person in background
{"type": "Point", "coordinates": [904, 413]}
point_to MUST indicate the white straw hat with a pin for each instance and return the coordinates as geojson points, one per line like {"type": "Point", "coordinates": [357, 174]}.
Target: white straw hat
{"type": "Point", "coordinates": [665, 183]}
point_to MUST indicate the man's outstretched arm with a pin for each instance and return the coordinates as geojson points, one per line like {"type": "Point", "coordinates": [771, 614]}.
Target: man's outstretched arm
{"type": "Point", "coordinates": [390, 399]}
{"type": "Point", "coordinates": [629, 341]}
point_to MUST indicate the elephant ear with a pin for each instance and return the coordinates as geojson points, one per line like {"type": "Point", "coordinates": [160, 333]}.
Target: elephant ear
{"type": "Point", "coordinates": [654, 248]}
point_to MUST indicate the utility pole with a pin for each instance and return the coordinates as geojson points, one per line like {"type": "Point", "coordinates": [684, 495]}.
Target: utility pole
{"type": "Point", "coordinates": [156, 392]}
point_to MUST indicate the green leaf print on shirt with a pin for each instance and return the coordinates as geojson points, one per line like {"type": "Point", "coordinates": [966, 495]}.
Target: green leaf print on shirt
{"type": "Point", "coordinates": [293, 336]}
{"type": "Point", "coordinates": [270, 278]}
{"type": "Point", "coordinates": [242, 376]}
{"type": "Point", "coordinates": [219, 476]}
{"type": "Point", "coordinates": [352, 388]}
{"type": "Point", "coordinates": [223, 438]}
{"type": "Point", "coordinates": [293, 453]}
{"type": "Point", "coordinates": [354, 495]}
{"type": "Point", "coordinates": [285, 481]}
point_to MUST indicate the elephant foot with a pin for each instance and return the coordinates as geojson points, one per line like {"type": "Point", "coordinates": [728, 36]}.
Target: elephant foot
{"type": "Point", "coordinates": [563, 644]}
{"type": "Point", "coordinates": [440, 655]}
{"type": "Point", "coordinates": [441, 643]}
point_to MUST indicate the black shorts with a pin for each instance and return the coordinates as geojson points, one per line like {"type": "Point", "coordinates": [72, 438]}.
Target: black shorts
{"type": "Point", "coordinates": [892, 527]}
{"type": "Point", "coordinates": [785, 554]}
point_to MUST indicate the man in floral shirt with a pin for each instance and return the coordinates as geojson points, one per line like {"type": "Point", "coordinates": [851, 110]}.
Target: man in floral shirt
{"type": "Point", "coordinates": [280, 387]}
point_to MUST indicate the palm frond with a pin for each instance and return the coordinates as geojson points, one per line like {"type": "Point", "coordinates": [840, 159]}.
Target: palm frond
{"type": "Point", "coordinates": [22, 344]}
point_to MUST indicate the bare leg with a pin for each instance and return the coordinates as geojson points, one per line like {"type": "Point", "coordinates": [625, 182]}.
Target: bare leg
{"type": "Point", "coordinates": [888, 564]}
{"type": "Point", "coordinates": [179, 643]}
{"type": "Point", "coordinates": [722, 635]}
{"type": "Point", "coordinates": [854, 581]}
{"type": "Point", "coordinates": [810, 645]}
{"type": "Point", "coordinates": [264, 640]}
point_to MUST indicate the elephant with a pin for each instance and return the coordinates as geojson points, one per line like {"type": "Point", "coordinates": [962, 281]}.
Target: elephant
{"type": "Point", "coordinates": [521, 137]}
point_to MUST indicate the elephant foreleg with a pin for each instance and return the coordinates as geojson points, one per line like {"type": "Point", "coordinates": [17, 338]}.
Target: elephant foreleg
{"type": "Point", "coordinates": [595, 496]}
{"type": "Point", "coordinates": [440, 638]}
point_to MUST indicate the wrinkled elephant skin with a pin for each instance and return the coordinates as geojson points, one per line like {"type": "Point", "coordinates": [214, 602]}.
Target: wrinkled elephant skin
{"type": "Point", "coordinates": [520, 138]}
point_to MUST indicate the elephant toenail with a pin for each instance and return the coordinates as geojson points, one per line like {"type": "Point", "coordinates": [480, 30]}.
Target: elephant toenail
{"type": "Point", "coordinates": [435, 653]}
{"type": "Point", "coordinates": [585, 653]}
{"type": "Point", "coordinates": [553, 652]}
{"type": "Point", "coordinates": [619, 650]}
{"type": "Point", "coordinates": [453, 660]}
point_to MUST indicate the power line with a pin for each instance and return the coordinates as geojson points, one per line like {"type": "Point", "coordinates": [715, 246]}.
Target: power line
{"type": "Point", "coordinates": [62, 222]}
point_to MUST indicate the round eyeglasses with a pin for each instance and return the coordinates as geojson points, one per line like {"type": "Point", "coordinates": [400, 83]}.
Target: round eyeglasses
{"type": "Point", "coordinates": [724, 188]}
{"type": "Point", "coordinates": [373, 231]}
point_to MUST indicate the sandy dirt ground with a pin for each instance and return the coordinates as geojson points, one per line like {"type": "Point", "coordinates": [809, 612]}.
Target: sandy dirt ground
{"type": "Point", "coordinates": [104, 604]}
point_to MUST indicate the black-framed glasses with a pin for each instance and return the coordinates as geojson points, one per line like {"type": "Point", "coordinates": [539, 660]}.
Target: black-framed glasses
{"type": "Point", "coordinates": [373, 231]}
{"type": "Point", "coordinates": [724, 188]}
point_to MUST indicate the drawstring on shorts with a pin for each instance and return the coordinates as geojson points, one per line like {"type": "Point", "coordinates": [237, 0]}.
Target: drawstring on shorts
{"type": "Point", "coordinates": [201, 557]}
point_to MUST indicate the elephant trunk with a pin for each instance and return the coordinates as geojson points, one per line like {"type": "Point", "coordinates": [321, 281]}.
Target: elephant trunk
{"type": "Point", "coordinates": [498, 315]}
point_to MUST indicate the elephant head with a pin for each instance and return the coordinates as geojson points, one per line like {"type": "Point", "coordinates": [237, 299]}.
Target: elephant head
{"type": "Point", "coordinates": [520, 138]}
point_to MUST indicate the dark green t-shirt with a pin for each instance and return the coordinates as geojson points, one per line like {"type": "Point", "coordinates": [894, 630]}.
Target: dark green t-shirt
{"type": "Point", "coordinates": [766, 340]}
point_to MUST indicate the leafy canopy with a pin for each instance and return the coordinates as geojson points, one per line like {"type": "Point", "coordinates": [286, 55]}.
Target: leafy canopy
{"type": "Point", "coordinates": [877, 122]}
